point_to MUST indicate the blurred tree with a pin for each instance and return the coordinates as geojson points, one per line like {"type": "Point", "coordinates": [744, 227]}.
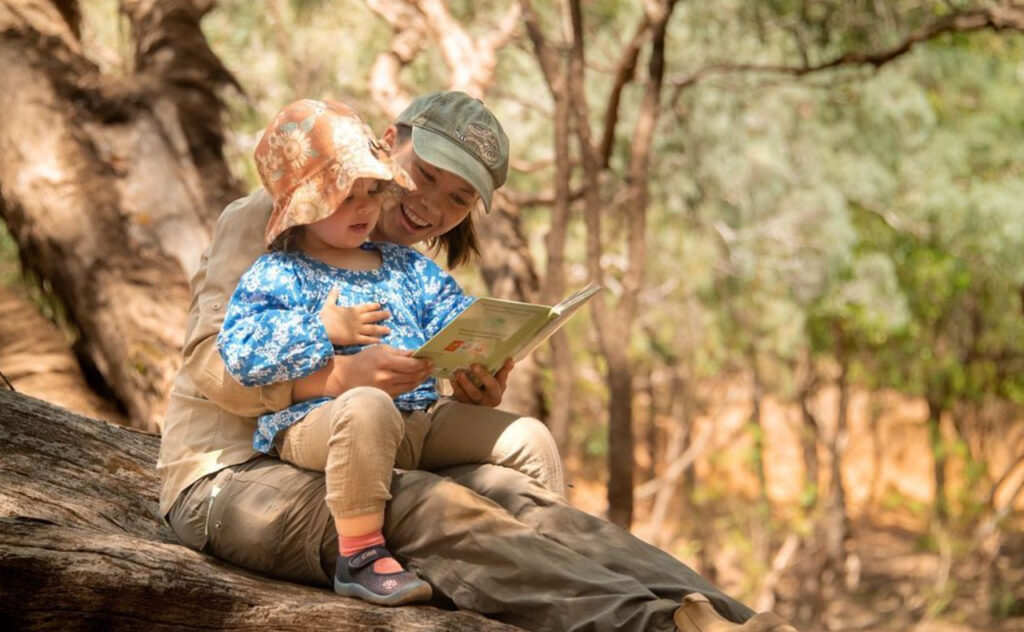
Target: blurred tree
{"type": "Point", "coordinates": [110, 184]}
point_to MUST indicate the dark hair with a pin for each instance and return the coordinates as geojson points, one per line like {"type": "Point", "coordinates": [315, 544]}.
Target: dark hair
{"type": "Point", "coordinates": [288, 241]}
{"type": "Point", "coordinates": [460, 243]}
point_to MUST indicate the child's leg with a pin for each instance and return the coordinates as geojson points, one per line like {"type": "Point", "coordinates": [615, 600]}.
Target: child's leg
{"type": "Point", "coordinates": [461, 434]}
{"type": "Point", "coordinates": [353, 440]}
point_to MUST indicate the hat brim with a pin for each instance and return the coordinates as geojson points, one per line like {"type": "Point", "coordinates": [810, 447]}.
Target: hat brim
{"type": "Point", "coordinates": [445, 154]}
{"type": "Point", "coordinates": [284, 215]}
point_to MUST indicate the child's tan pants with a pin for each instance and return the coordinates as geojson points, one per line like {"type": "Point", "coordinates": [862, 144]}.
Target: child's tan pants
{"type": "Point", "coordinates": [358, 438]}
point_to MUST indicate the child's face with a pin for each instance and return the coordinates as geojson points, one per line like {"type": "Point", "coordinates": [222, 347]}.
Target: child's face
{"type": "Point", "coordinates": [352, 221]}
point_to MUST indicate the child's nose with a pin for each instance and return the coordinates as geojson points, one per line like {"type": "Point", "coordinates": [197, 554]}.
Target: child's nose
{"type": "Point", "coordinates": [371, 205]}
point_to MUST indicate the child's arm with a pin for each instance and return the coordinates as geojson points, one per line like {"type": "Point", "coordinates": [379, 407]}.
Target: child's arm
{"type": "Point", "coordinates": [440, 296]}
{"type": "Point", "coordinates": [268, 336]}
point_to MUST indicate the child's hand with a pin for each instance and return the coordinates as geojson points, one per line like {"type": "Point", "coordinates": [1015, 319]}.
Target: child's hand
{"type": "Point", "coordinates": [353, 325]}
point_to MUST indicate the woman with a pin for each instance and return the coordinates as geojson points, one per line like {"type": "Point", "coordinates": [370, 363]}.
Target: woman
{"type": "Point", "coordinates": [491, 540]}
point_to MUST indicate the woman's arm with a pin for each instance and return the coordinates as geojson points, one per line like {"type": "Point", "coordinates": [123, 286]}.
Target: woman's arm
{"type": "Point", "coordinates": [392, 370]}
{"type": "Point", "coordinates": [236, 243]}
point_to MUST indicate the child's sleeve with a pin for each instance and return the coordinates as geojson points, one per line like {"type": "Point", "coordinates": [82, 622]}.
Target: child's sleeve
{"type": "Point", "coordinates": [269, 335]}
{"type": "Point", "coordinates": [442, 298]}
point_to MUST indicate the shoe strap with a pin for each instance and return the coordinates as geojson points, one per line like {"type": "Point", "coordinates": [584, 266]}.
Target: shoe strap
{"type": "Point", "coordinates": [368, 556]}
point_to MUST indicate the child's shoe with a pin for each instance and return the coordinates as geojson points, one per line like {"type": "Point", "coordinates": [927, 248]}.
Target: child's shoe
{"type": "Point", "coordinates": [355, 577]}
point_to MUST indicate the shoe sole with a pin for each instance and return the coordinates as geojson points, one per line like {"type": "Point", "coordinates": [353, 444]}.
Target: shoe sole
{"type": "Point", "coordinates": [414, 592]}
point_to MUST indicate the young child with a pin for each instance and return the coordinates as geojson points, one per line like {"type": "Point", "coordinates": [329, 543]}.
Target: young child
{"type": "Point", "coordinates": [329, 179]}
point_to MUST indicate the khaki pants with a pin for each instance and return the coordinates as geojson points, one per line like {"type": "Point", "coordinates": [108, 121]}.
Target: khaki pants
{"type": "Point", "coordinates": [488, 539]}
{"type": "Point", "coordinates": [360, 436]}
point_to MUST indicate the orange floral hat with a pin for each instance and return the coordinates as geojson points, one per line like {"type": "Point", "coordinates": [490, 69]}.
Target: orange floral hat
{"type": "Point", "coordinates": [310, 156]}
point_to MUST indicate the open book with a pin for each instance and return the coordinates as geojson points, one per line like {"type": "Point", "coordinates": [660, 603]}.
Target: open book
{"type": "Point", "coordinates": [492, 329]}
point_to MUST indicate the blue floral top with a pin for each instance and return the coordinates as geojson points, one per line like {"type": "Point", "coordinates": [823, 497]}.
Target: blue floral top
{"type": "Point", "coordinates": [272, 331]}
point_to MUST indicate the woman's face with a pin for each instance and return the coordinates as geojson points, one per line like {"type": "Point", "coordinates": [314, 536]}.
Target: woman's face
{"type": "Point", "coordinates": [440, 202]}
{"type": "Point", "coordinates": [350, 224]}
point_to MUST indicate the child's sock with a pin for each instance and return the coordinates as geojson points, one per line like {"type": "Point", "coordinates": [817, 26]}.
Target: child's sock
{"type": "Point", "coordinates": [349, 546]}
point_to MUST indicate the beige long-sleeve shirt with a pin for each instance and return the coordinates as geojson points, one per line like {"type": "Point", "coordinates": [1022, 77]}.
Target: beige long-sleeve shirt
{"type": "Point", "coordinates": [210, 417]}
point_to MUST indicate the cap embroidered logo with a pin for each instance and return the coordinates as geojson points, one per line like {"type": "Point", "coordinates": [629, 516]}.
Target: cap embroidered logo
{"type": "Point", "coordinates": [484, 142]}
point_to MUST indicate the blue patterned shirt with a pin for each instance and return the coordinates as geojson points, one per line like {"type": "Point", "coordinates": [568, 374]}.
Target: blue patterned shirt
{"type": "Point", "coordinates": [272, 330]}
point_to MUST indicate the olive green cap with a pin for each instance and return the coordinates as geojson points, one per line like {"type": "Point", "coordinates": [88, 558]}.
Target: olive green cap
{"type": "Point", "coordinates": [456, 132]}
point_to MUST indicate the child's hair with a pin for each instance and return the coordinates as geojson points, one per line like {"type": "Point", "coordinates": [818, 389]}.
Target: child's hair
{"type": "Point", "coordinates": [288, 241]}
{"type": "Point", "coordinates": [460, 243]}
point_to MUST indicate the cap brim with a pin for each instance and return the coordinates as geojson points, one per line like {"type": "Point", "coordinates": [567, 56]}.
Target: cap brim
{"type": "Point", "coordinates": [441, 152]}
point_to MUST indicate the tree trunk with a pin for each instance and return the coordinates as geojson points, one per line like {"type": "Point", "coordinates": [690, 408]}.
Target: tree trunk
{"type": "Point", "coordinates": [82, 546]}
{"type": "Point", "coordinates": [36, 357]}
{"type": "Point", "coordinates": [555, 71]}
{"type": "Point", "coordinates": [758, 430]}
{"type": "Point", "coordinates": [941, 506]}
{"type": "Point", "coordinates": [110, 186]}
{"type": "Point", "coordinates": [809, 437]}
{"type": "Point", "coordinates": [836, 522]}
{"type": "Point", "coordinates": [620, 438]}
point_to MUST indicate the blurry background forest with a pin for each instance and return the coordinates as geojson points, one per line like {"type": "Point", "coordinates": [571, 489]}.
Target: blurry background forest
{"type": "Point", "coordinates": [806, 378]}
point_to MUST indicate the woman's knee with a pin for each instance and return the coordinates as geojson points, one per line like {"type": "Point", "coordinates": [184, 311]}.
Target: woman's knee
{"type": "Point", "coordinates": [527, 445]}
{"type": "Point", "coordinates": [423, 498]}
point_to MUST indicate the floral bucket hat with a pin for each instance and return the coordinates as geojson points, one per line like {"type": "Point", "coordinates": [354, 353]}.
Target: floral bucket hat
{"type": "Point", "coordinates": [310, 156]}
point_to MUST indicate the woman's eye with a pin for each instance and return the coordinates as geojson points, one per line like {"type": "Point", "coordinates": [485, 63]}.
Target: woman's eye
{"type": "Point", "coordinates": [459, 200]}
{"type": "Point", "coordinates": [426, 176]}
{"type": "Point", "coordinates": [375, 188]}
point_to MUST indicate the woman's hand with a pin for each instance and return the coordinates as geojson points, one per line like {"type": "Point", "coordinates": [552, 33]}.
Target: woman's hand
{"type": "Point", "coordinates": [392, 370]}
{"type": "Point", "coordinates": [353, 325]}
{"type": "Point", "coordinates": [491, 389]}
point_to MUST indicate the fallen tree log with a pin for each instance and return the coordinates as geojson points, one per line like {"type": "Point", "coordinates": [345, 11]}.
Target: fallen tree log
{"type": "Point", "coordinates": [82, 545]}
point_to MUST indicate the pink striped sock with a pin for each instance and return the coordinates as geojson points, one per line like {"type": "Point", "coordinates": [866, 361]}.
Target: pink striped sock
{"type": "Point", "coordinates": [350, 545]}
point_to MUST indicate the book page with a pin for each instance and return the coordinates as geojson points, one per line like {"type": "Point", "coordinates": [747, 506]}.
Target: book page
{"type": "Point", "coordinates": [481, 334]}
{"type": "Point", "coordinates": [570, 303]}
{"type": "Point", "coordinates": [560, 314]}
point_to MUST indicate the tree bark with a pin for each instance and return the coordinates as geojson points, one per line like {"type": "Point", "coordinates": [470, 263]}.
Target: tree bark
{"type": "Point", "coordinates": [809, 438]}
{"type": "Point", "coordinates": [110, 186]}
{"type": "Point", "coordinates": [36, 357]}
{"type": "Point", "coordinates": [938, 449]}
{"type": "Point", "coordinates": [836, 521]}
{"type": "Point", "coordinates": [82, 546]}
